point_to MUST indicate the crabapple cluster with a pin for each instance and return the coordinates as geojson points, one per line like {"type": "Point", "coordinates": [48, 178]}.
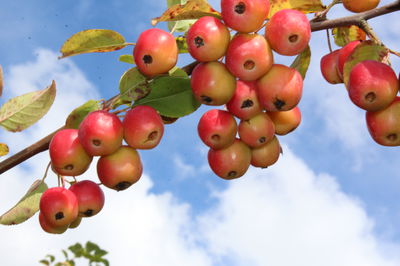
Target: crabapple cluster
{"type": "Point", "coordinates": [372, 86]}
{"type": "Point", "coordinates": [239, 72]}
{"type": "Point", "coordinates": [101, 133]}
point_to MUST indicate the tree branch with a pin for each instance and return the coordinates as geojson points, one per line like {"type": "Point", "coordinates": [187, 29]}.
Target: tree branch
{"type": "Point", "coordinates": [320, 23]}
{"type": "Point", "coordinates": [354, 19]}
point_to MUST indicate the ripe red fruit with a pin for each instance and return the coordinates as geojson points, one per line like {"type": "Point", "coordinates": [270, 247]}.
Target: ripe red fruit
{"type": "Point", "coordinates": [372, 85]}
{"type": "Point", "coordinates": [59, 206]}
{"type": "Point", "coordinates": [249, 56]}
{"type": "Point", "coordinates": [344, 53]}
{"type": "Point", "coordinates": [121, 169]}
{"type": "Point", "coordinates": [230, 162]}
{"type": "Point", "coordinates": [285, 121]}
{"type": "Point", "coordinates": [208, 39]}
{"type": "Point", "coordinates": [50, 228]}
{"type": "Point", "coordinates": [67, 155]}
{"type": "Point", "coordinates": [143, 127]}
{"type": "Point", "coordinates": [280, 89]}
{"type": "Point", "coordinates": [256, 131]}
{"type": "Point", "coordinates": [384, 125]}
{"type": "Point", "coordinates": [90, 197]}
{"type": "Point", "coordinates": [212, 83]}
{"type": "Point", "coordinates": [360, 5]}
{"type": "Point", "coordinates": [244, 15]}
{"type": "Point", "coordinates": [100, 133]}
{"type": "Point", "coordinates": [267, 154]}
{"type": "Point", "coordinates": [155, 52]}
{"type": "Point", "coordinates": [217, 129]}
{"type": "Point", "coordinates": [288, 32]}
{"type": "Point", "coordinates": [244, 104]}
{"type": "Point", "coordinates": [329, 68]}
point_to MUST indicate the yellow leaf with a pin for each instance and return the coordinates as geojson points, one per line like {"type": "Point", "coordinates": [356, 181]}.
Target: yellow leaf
{"type": "Point", "coordinates": [344, 35]}
{"type": "Point", "coordinates": [3, 149]}
{"type": "Point", "coordinates": [367, 50]}
{"type": "Point", "coordinates": [305, 6]}
{"type": "Point", "coordinates": [193, 9]}
{"type": "Point", "coordinates": [94, 40]}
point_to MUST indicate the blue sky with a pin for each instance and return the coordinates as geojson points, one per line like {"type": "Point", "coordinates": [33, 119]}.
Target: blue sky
{"type": "Point", "coordinates": [332, 198]}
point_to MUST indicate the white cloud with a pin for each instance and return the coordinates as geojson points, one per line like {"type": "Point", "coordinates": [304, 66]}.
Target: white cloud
{"type": "Point", "coordinates": [291, 216]}
{"type": "Point", "coordinates": [279, 216]}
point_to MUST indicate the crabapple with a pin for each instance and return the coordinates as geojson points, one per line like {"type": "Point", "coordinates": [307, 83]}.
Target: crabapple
{"type": "Point", "coordinates": [285, 121]}
{"type": "Point", "coordinates": [50, 228]}
{"type": "Point", "coordinates": [344, 53]}
{"type": "Point", "coordinates": [249, 56]}
{"type": "Point", "coordinates": [288, 32]}
{"type": "Point", "coordinates": [372, 85]}
{"type": "Point", "coordinates": [217, 128]}
{"type": "Point", "coordinates": [212, 83]}
{"type": "Point", "coordinates": [230, 162]}
{"type": "Point", "coordinates": [155, 52]}
{"type": "Point", "coordinates": [244, 15]}
{"type": "Point", "coordinates": [280, 89]}
{"type": "Point", "coordinates": [358, 6]}
{"type": "Point", "coordinates": [121, 169]}
{"type": "Point", "coordinates": [384, 125]}
{"type": "Point", "coordinates": [90, 197]}
{"type": "Point", "coordinates": [267, 154]}
{"type": "Point", "coordinates": [244, 104]}
{"type": "Point", "coordinates": [208, 39]}
{"type": "Point", "coordinates": [143, 127]}
{"type": "Point", "coordinates": [329, 68]}
{"type": "Point", "coordinates": [257, 130]}
{"type": "Point", "coordinates": [101, 133]}
{"type": "Point", "coordinates": [68, 157]}
{"type": "Point", "coordinates": [59, 206]}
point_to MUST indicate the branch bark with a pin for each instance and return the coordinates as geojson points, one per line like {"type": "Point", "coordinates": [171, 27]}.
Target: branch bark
{"type": "Point", "coordinates": [316, 25]}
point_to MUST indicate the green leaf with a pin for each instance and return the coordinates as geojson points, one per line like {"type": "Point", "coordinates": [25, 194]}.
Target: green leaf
{"type": "Point", "coordinates": [65, 254]}
{"type": "Point", "coordinates": [91, 41]}
{"type": "Point", "coordinates": [367, 50]}
{"type": "Point", "coordinates": [302, 62]}
{"type": "Point", "coordinates": [177, 72]}
{"type": "Point", "coordinates": [171, 97]}
{"type": "Point", "coordinates": [45, 262]}
{"type": "Point", "coordinates": [4, 149]}
{"type": "Point", "coordinates": [75, 118]}
{"type": "Point", "coordinates": [192, 9]}
{"type": "Point", "coordinates": [133, 85]}
{"type": "Point", "coordinates": [127, 58]}
{"type": "Point", "coordinates": [51, 258]}
{"type": "Point", "coordinates": [26, 207]}
{"type": "Point", "coordinates": [77, 250]}
{"type": "Point", "coordinates": [182, 45]}
{"type": "Point", "coordinates": [23, 111]}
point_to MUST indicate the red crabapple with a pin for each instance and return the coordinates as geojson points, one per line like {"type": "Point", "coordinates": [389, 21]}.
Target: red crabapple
{"type": "Point", "coordinates": [155, 52]}
{"type": "Point", "coordinates": [217, 129]}
{"type": "Point", "coordinates": [101, 133]}
{"type": "Point", "coordinates": [288, 32]}
{"type": "Point", "coordinates": [143, 127]}
{"type": "Point", "coordinates": [68, 157]}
